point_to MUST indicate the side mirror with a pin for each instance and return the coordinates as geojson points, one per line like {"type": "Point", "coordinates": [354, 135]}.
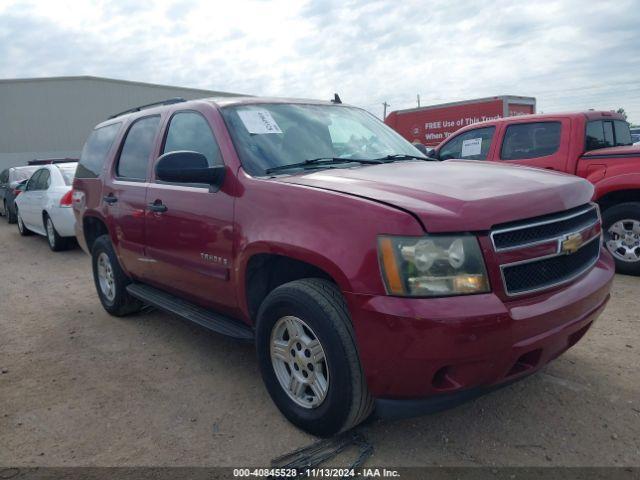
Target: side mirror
{"type": "Point", "coordinates": [419, 146]}
{"type": "Point", "coordinates": [189, 167]}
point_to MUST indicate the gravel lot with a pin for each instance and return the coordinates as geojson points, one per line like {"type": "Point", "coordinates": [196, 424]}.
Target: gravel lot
{"type": "Point", "coordinates": [79, 387]}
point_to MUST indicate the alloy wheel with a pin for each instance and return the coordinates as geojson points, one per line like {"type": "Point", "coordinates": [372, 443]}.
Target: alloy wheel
{"type": "Point", "coordinates": [623, 240]}
{"type": "Point", "coordinates": [299, 362]}
{"type": "Point", "coordinates": [106, 277]}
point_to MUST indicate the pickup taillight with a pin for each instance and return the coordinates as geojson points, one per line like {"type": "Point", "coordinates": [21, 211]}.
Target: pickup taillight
{"type": "Point", "coordinates": [66, 199]}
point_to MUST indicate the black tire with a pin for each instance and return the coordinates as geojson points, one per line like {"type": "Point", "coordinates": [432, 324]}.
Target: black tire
{"type": "Point", "coordinates": [321, 306]}
{"type": "Point", "coordinates": [55, 241]}
{"type": "Point", "coordinates": [616, 213]}
{"type": "Point", "coordinates": [122, 303]}
{"type": "Point", "coordinates": [24, 231]}
{"type": "Point", "coordinates": [10, 214]}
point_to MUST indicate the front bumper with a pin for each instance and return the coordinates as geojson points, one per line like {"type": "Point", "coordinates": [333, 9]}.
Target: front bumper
{"type": "Point", "coordinates": [416, 348]}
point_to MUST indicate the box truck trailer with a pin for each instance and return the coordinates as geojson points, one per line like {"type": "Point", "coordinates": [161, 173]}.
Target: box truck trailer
{"type": "Point", "coordinates": [430, 125]}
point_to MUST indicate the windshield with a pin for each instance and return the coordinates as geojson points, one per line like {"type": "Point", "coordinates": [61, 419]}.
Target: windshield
{"type": "Point", "coordinates": [19, 174]}
{"type": "Point", "coordinates": [272, 135]}
{"type": "Point", "coordinates": [68, 171]}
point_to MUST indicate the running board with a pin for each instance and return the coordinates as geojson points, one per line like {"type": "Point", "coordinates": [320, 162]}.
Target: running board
{"type": "Point", "coordinates": [189, 311]}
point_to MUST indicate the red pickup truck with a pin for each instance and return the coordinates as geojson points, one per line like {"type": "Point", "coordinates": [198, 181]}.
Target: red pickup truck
{"type": "Point", "coordinates": [367, 275]}
{"type": "Point", "coordinates": [593, 145]}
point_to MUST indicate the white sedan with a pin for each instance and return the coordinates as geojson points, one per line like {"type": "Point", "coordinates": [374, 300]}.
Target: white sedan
{"type": "Point", "coordinates": [44, 207]}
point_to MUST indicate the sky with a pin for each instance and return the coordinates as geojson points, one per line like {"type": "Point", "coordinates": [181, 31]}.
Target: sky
{"type": "Point", "coordinates": [570, 55]}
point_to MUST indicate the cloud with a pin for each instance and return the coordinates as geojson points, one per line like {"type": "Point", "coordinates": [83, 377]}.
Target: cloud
{"type": "Point", "coordinates": [569, 54]}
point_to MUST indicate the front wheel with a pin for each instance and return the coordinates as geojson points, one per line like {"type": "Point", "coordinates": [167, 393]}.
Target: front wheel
{"type": "Point", "coordinates": [24, 231]}
{"type": "Point", "coordinates": [621, 225]}
{"type": "Point", "coordinates": [308, 357]}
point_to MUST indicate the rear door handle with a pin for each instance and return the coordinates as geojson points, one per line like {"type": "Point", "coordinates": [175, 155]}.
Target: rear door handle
{"type": "Point", "coordinates": [110, 199]}
{"type": "Point", "coordinates": [158, 207]}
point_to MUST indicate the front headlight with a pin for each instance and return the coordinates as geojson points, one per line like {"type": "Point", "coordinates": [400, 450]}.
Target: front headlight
{"type": "Point", "coordinates": [432, 266]}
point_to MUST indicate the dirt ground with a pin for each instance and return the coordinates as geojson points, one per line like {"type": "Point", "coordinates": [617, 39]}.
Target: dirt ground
{"type": "Point", "coordinates": [81, 388]}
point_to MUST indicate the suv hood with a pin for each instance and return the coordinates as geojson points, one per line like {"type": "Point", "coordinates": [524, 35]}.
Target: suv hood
{"type": "Point", "coordinates": [456, 195]}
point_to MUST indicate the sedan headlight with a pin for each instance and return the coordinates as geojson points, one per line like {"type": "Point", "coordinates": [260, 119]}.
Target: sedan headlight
{"type": "Point", "coordinates": [432, 266]}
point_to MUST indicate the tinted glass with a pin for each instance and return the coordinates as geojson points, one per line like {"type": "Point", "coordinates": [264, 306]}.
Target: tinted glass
{"type": "Point", "coordinates": [34, 181]}
{"type": "Point", "coordinates": [4, 176]}
{"type": "Point", "coordinates": [137, 147]}
{"type": "Point", "coordinates": [530, 140]}
{"type": "Point", "coordinates": [608, 133]}
{"type": "Point", "coordinates": [271, 135]}
{"type": "Point", "coordinates": [595, 136]}
{"type": "Point", "coordinates": [67, 172]}
{"type": "Point", "coordinates": [95, 150]}
{"type": "Point", "coordinates": [472, 145]}
{"type": "Point", "coordinates": [45, 180]}
{"type": "Point", "coordinates": [190, 131]}
{"type": "Point", "coordinates": [622, 133]}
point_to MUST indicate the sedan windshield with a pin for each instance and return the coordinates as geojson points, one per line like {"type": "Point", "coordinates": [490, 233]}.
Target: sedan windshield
{"type": "Point", "coordinates": [269, 137]}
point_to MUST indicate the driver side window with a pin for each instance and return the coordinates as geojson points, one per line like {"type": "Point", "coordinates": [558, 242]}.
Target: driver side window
{"type": "Point", "coordinates": [471, 145]}
{"type": "Point", "coordinates": [191, 131]}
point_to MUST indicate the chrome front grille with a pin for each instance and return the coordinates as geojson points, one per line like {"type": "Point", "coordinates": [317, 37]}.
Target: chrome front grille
{"type": "Point", "coordinates": [543, 229]}
{"type": "Point", "coordinates": [547, 251]}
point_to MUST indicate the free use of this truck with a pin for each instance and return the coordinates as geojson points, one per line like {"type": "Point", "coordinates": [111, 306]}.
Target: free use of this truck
{"type": "Point", "coordinates": [368, 276]}
{"type": "Point", "coordinates": [595, 145]}
{"type": "Point", "coordinates": [430, 125]}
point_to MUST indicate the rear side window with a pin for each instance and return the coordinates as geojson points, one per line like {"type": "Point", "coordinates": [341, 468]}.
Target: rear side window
{"type": "Point", "coordinates": [622, 133]}
{"type": "Point", "coordinates": [190, 131]}
{"type": "Point", "coordinates": [95, 150]}
{"type": "Point", "coordinates": [4, 176]}
{"type": "Point", "coordinates": [44, 182]}
{"type": "Point", "coordinates": [33, 181]}
{"type": "Point", "coordinates": [530, 140]}
{"type": "Point", "coordinates": [607, 133]}
{"type": "Point", "coordinates": [472, 145]}
{"type": "Point", "coordinates": [134, 156]}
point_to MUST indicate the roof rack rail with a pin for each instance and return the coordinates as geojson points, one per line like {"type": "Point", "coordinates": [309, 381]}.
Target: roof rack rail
{"type": "Point", "coordinates": [169, 101]}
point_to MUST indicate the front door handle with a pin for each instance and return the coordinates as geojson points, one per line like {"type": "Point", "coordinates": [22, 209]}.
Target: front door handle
{"type": "Point", "coordinates": [110, 199]}
{"type": "Point", "coordinates": [158, 207]}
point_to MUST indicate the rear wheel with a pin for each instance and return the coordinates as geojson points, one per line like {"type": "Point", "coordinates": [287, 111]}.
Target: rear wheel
{"type": "Point", "coordinates": [11, 215]}
{"type": "Point", "coordinates": [56, 242]}
{"type": "Point", "coordinates": [308, 357]}
{"type": "Point", "coordinates": [24, 231]}
{"type": "Point", "coordinates": [621, 225]}
{"type": "Point", "coordinates": [111, 282]}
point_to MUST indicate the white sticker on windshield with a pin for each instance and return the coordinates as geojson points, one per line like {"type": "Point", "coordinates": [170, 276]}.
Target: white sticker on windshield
{"type": "Point", "coordinates": [259, 121]}
{"type": "Point", "coordinates": [471, 147]}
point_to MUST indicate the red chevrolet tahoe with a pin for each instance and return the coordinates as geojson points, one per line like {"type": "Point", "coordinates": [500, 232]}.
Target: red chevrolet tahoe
{"type": "Point", "coordinates": [367, 275]}
{"type": "Point", "coordinates": [593, 145]}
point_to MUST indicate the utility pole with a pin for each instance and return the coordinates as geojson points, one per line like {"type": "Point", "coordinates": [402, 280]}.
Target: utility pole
{"type": "Point", "coordinates": [385, 105]}
{"type": "Point", "coordinates": [418, 96]}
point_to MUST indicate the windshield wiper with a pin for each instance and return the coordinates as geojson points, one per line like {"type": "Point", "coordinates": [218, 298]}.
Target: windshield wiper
{"type": "Point", "coordinates": [404, 156]}
{"type": "Point", "coordinates": [324, 161]}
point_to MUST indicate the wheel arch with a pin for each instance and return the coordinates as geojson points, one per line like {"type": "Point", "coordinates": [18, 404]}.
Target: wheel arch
{"type": "Point", "coordinates": [263, 269]}
{"type": "Point", "coordinates": [92, 228]}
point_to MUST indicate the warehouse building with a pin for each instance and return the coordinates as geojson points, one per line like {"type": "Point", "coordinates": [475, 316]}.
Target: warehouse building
{"type": "Point", "coordinates": [52, 117]}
